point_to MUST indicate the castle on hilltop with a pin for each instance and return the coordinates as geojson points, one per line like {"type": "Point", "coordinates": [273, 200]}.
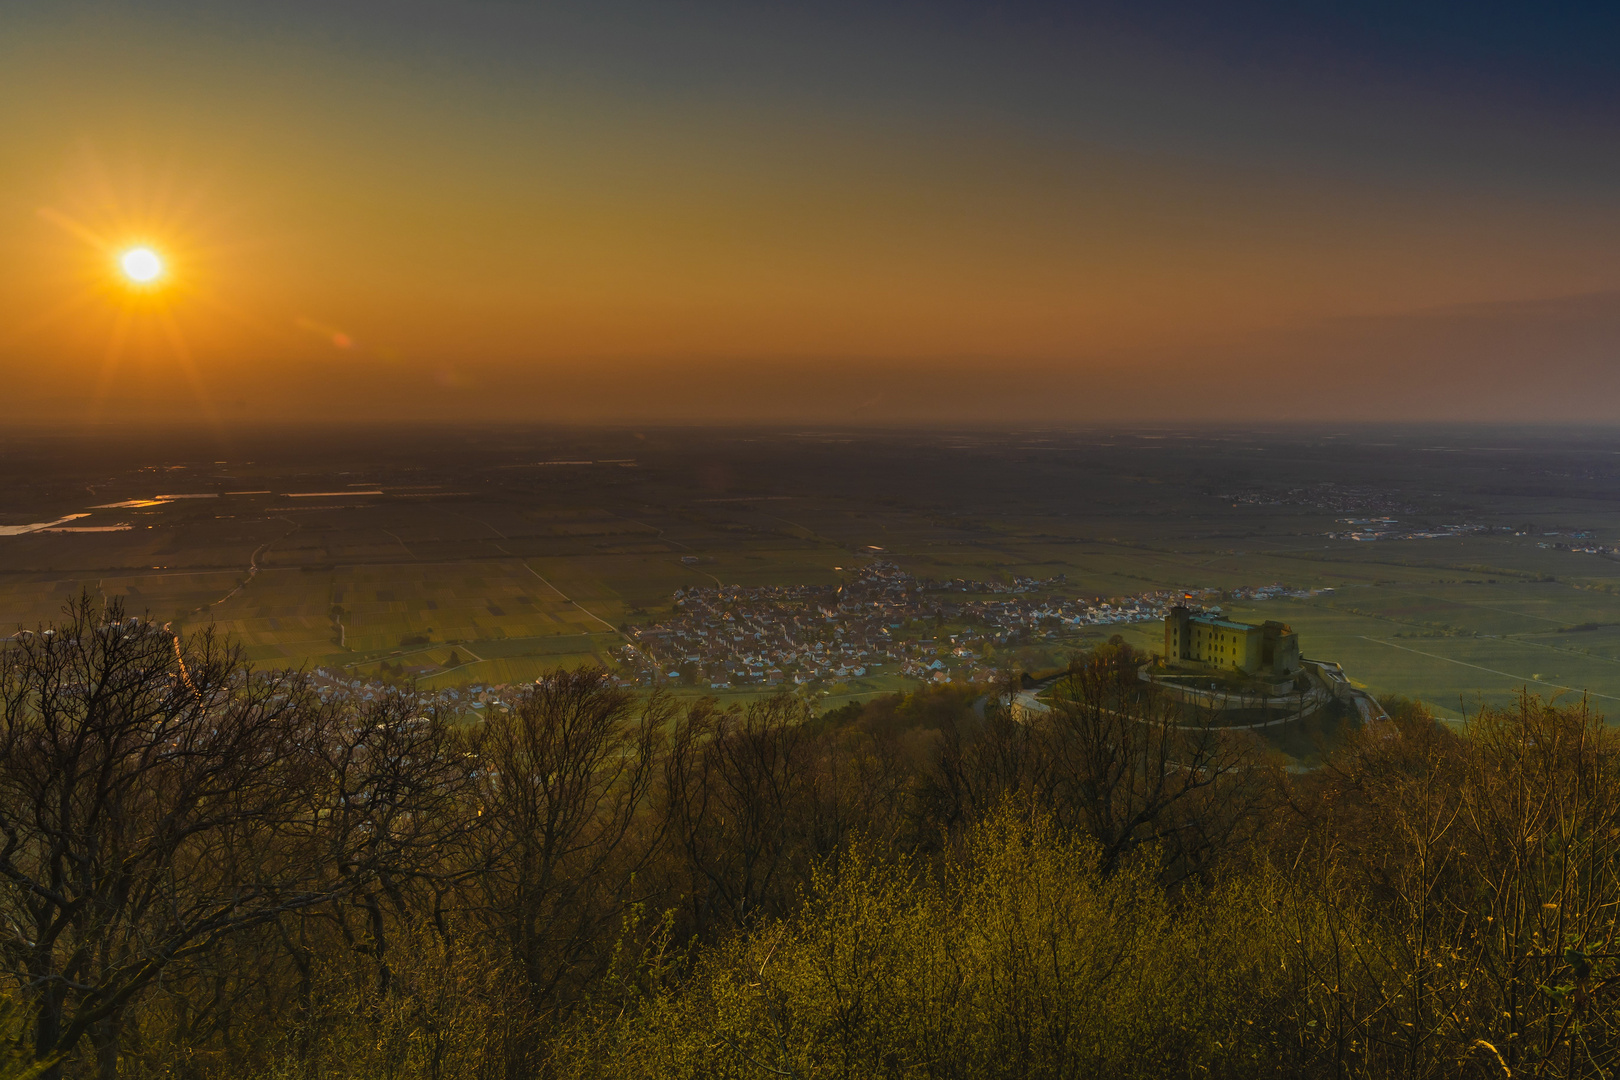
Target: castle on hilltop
{"type": "Point", "coordinates": [1202, 637]}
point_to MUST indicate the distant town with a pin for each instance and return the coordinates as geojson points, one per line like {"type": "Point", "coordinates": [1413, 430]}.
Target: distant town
{"type": "Point", "coordinates": [883, 621]}
{"type": "Point", "coordinates": [1388, 528]}
{"type": "Point", "coordinates": [1335, 498]}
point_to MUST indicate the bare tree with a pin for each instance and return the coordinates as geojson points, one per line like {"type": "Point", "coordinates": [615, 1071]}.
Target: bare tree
{"type": "Point", "coordinates": [561, 782]}
{"type": "Point", "coordinates": [1128, 765]}
{"type": "Point", "coordinates": [1541, 860]}
{"type": "Point", "coordinates": [1110, 757]}
{"type": "Point", "coordinates": [1490, 860]}
{"type": "Point", "coordinates": [977, 764]}
{"type": "Point", "coordinates": [157, 797]}
{"type": "Point", "coordinates": [745, 806]}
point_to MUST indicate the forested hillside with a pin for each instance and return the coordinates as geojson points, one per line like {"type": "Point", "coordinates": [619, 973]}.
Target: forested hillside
{"type": "Point", "coordinates": [208, 871]}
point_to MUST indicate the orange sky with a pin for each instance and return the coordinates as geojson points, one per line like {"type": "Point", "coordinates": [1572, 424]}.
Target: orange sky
{"type": "Point", "coordinates": [377, 226]}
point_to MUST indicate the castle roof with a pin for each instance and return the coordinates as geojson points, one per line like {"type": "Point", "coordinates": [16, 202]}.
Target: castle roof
{"type": "Point", "coordinates": [1216, 620]}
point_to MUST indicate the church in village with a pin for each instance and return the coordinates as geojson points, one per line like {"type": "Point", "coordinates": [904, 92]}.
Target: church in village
{"type": "Point", "coordinates": [1270, 649]}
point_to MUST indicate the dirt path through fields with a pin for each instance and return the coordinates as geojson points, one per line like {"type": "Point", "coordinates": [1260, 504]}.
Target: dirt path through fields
{"type": "Point", "coordinates": [1477, 667]}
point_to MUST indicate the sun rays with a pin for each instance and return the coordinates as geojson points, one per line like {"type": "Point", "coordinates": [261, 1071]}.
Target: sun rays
{"type": "Point", "coordinates": [139, 260]}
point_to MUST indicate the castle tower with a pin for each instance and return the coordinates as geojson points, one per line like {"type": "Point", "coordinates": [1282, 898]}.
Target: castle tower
{"type": "Point", "coordinates": [1178, 633]}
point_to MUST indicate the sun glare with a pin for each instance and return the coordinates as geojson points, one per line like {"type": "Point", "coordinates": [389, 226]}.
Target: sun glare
{"type": "Point", "coordinates": [141, 265]}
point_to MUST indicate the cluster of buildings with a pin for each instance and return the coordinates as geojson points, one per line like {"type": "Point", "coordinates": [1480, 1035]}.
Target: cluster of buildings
{"type": "Point", "coordinates": [884, 621]}
{"type": "Point", "coordinates": [1261, 592]}
{"type": "Point", "coordinates": [476, 697]}
{"type": "Point", "coordinates": [1334, 498]}
{"type": "Point", "coordinates": [1581, 543]}
{"type": "Point", "coordinates": [1583, 549]}
{"type": "Point", "coordinates": [1388, 528]}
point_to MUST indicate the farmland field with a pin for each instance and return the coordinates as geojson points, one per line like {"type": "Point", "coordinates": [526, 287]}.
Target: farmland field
{"type": "Point", "coordinates": [484, 560]}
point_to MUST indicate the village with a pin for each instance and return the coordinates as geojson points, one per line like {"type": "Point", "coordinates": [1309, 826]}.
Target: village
{"type": "Point", "coordinates": [332, 683]}
{"type": "Point", "coordinates": [1388, 528]}
{"type": "Point", "coordinates": [884, 621]}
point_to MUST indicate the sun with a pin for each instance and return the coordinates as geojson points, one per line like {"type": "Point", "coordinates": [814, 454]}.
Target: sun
{"type": "Point", "coordinates": [141, 265]}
